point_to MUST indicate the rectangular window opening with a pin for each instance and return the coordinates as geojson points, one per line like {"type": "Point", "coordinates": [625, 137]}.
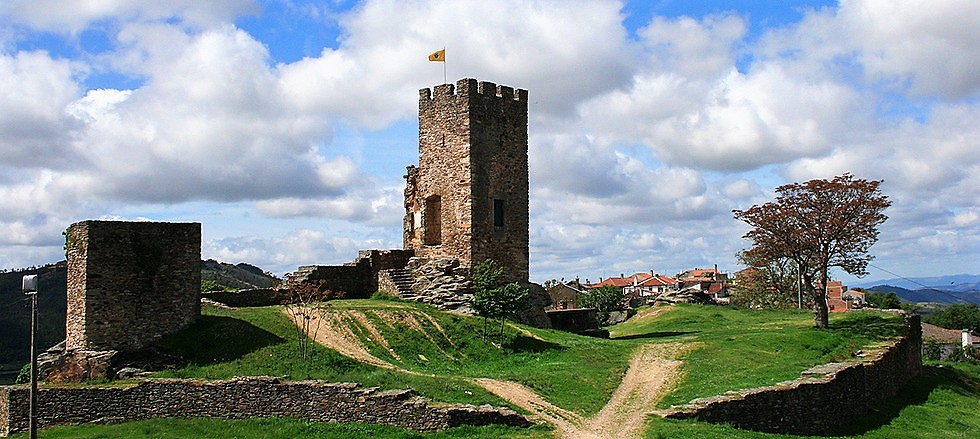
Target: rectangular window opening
{"type": "Point", "coordinates": [432, 221]}
{"type": "Point", "coordinates": [498, 213]}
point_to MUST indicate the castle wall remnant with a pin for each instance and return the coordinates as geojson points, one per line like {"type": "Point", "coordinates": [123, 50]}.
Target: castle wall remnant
{"type": "Point", "coordinates": [241, 398]}
{"type": "Point", "coordinates": [468, 198]}
{"type": "Point", "coordinates": [825, 398]}
{"type": "Point", "coordinates": [130, 283]}
{"type": "Point", "coordinates": [357, 279]}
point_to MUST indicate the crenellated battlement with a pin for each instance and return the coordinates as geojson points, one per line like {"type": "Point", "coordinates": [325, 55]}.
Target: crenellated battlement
{"type": "Point", "coordinates": [472, 87]}
{"type": "Point", "coordinates": [468, 198]}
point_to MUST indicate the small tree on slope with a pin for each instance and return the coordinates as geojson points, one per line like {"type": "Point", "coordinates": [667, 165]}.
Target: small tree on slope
{"type": "Point", "coordinates": [491, 300]}
{"type": "Point", "coordinates": [818, 224]}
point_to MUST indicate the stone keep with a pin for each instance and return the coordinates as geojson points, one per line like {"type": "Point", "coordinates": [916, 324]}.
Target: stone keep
{"type": "Point", "coordinates": [130, 283]}
{"type": "Point", "coordinates": [468, 197]}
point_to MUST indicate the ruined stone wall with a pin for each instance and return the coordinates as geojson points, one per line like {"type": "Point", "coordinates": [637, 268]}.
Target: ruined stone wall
{"type": "Point", "coordinates": [357, 279]}
{"type": "Point", "coordinates": [130, 283]}
{"type": "Point", "coordinates": [255, 397]}
{"type": "Point", "coordinates": [823, 399]}
{"type": "Point", "coordinates": [472, 151]}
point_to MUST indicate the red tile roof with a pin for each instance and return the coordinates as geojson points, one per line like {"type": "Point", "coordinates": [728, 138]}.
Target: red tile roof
{"type": "Point", "coordinates": [658, 281]}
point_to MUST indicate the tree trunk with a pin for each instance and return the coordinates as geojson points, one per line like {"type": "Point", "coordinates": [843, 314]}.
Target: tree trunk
{"type": "Point", "coordinates": [821, 313]}
{"type": "Point", "coordinates": [821, 316]}
{"type": "Point", "coordinates": [820, 310]}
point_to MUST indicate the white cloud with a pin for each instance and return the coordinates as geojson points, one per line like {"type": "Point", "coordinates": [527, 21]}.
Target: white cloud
{"type": "Point", "coordinates": [34, 126]}
{"type": "Point", "coordinates": [930, 43]}
{"type": "Point", "coordinates": [282, 254]}
{"type": "Point", "coordinates": [641, 143]}
{"type": "Point", "coordinates": [73, 16]}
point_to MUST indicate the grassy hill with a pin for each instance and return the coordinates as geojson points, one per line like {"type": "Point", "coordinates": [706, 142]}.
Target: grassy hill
{"type": "Point", "coordinates": [438, 354]}
{"type": "Point", "coordinates": [15, 316]}
{"type": "Point", "coordinates": [239, 276]}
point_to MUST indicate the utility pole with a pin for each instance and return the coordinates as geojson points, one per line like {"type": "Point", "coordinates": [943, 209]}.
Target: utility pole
{"type": "Point", "coordinates": [30, 289]}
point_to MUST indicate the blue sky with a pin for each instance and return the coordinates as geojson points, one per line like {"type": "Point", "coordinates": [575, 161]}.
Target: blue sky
{"type": "Point", "coordinates": [285, 126]}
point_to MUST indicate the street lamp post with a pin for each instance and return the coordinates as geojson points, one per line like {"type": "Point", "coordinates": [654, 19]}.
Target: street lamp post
{"type": "Point", "coordinates": [30, 289]}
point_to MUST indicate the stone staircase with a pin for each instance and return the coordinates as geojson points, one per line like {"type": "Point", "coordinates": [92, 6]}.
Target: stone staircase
{"type": "Point", "coordinates": [402, 281]}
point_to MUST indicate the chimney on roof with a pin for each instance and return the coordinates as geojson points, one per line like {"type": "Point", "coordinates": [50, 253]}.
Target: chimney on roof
{"type": "Point", "coordinates": [967, 338]}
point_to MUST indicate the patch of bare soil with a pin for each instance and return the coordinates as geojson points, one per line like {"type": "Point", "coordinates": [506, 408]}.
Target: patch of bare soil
{"type": "Point", "coordinates": [653, 371]}
{"type": "Point", "coordinates": [335, 334]}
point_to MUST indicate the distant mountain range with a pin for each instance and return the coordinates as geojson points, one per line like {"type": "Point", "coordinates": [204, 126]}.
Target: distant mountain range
{"type": "Point", "coordinates": [956, 283]}
{"type": "Point", "coordinates": [930, 295]}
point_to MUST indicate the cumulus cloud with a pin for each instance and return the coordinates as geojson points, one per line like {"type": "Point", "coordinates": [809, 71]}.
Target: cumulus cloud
{"type": "Point", "coordinates": [73, 16]}
{"type": "Point", "coordinates": [34, 126]}
{"type": "Point", "coordinates": [642, 140]}
{"type": "Point", "coordinates": [282, 254]}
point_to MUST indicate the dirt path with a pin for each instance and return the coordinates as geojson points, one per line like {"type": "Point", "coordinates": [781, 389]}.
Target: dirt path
{"type": "Point", "coordinates": [652, 372]}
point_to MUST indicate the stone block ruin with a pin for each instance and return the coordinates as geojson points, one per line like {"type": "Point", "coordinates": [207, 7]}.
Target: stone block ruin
{"type": "Point", "coordinates": [467, 201]}
{"type": "Point", "coordinates": [129, 284]}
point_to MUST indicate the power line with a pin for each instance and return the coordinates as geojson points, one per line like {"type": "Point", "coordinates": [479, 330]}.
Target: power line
{"type": "Point", "coordinates": [898, 275]}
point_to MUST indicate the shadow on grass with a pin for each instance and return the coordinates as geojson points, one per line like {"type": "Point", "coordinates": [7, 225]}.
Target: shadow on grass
{"type": "Point", "coordinates": [655, 334]}
{"type": "Point", "coordinates": [216, 339]}
{"type": "Point", "coordinates": [523, 343]}
{"type": "Point", "coordinates": [915, 392]}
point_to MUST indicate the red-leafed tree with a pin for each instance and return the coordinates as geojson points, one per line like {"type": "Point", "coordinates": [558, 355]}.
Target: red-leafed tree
{"type": "Point", "coordinates": [818, 224]}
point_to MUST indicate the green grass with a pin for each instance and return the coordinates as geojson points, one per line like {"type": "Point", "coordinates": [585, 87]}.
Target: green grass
{"type": "Point", "coordinates": [942, 403]}
{"type": "Point", "coordinates": [740, 349]}
{"type": "Point", "coordinates": [733, 349]}
{"type": "Point", "coordinates": [575, 372]}
{"type": "Point", "coordinates": [227, 343]}
{"type": "Point", "coordinates": [273, 429]}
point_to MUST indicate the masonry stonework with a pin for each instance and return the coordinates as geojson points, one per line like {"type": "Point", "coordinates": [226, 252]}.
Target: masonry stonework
{"type": "Point", "coordinates": [241, 398]}
{"type": "Point", "coordinates": [130, 283]}
{"type": "Point", "coordinates": [823, 399]}
{"type": "Point", "coordinates": [468, 198]}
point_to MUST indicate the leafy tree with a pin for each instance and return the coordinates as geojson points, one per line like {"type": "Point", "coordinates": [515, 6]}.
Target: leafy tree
{"type": "Point", "coordinates": [957, 317]}
{"type": "Point", "coordinates": [818, 224]}
{"type": "Point", "coordinates": [493, 300]}
{"type": "Point", "coordinates": [211, 285]}
{"type": "Point", "coordinates": [884, 300]}
{"type": "Point", "coordinates": [604, 299]}
{"type": "Point", "coordinates": [771, 285]}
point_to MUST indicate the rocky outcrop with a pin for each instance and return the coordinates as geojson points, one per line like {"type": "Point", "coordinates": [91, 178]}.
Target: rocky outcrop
{"type": "Point", "coordinates": [442, 283]}
{"type": "Point", "coordinates": [57, 365]}
{"type": "Point", "coordinates": [445, 284]}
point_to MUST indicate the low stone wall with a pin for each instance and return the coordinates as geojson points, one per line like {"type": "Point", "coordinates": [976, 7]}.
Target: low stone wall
{"type": "Point", "coordinates": [823, 399]}
{"type": "Point", "coordinates": [254, 397]}
{"type": "Point", "coordinates": [357, 279]}
{"type": "Point", "coordinates": [246, 298]}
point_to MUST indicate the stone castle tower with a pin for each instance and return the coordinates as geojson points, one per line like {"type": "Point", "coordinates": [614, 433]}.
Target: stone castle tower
{"type": "Point", "coordinates": [468, 198]}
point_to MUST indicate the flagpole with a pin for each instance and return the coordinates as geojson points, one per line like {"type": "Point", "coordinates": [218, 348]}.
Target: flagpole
{"type": "Point", "coordinates": [445, 78]}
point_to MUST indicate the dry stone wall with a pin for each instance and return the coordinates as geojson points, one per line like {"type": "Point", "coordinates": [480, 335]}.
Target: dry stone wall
{"type": "Point", "coordinates": [255, 397]}
{"type": "Point", "coordinates": [130, 283]}
{"type": "Point", "coordinates": [823, 399]}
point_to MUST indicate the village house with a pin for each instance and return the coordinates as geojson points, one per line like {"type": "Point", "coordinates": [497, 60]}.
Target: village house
{"type": "Point", "coordinates": [639, 287]}
{"type": "Point", "coordinates": [854, 298]}
{"type": "Point", "coordinates": [564, 295]}
{"type": "Point", "coordinates": [706, 280]}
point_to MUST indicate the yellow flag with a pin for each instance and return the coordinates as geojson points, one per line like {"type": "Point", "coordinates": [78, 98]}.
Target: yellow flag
{"type": "Point", "coordinates": [438, 56]}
